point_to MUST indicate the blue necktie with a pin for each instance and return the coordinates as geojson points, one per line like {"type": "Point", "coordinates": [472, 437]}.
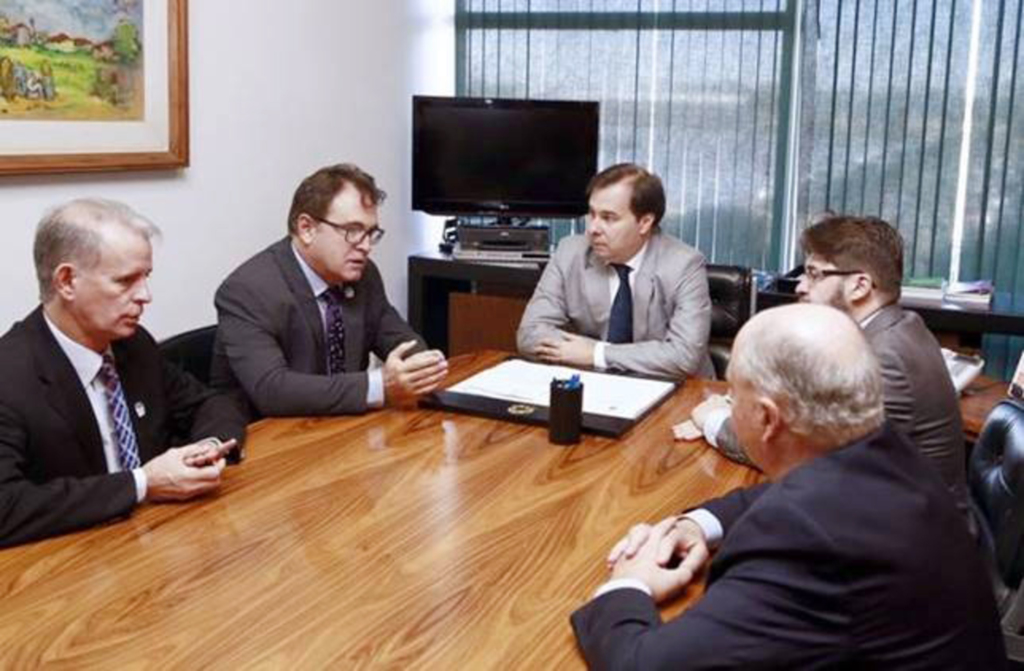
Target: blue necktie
{"type": "Point", "coordinates": [127, 447]}
{"type": "Point", "coordinates": [620, 321]}
{"type": "Point", "coordinates": [335, 331]}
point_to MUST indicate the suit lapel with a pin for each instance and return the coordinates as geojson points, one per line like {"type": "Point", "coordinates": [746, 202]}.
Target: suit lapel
{"type": "Point", "coordinates": [304, 298]}
{"type": "Point", "coordinates": [64, 392]}
{"type": "Point", "coordinates": [352, 310]}
{"type": "Point", "coordinates": [643, 287]}
{"type": "Point", "coordinates": [595, 291]}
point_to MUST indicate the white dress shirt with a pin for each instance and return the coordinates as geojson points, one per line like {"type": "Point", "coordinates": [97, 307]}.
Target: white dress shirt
{"type": "Point", "coordinates": [87, 366]}
{"type": "Point", "coordinates": [613, 288]}
{"type": "Point", "coordinates": [375, 377]}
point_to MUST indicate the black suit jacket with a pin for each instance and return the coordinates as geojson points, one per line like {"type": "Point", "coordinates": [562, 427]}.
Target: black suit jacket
{"type": "Point", "coordinates": [855, 560]}
{"type": "Point", "coordinates": [53, 475]}
{"type": "Point", "coordinates": [270, 337]}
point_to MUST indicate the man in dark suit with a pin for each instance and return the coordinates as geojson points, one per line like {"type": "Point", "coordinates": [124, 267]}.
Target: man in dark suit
{"type": "Point", "coordinates": [855, 264]}
{"type": "Point", "coordinates": [89, 409]}
{"type": "Point", "coordinates": [851, 557]}
{"type": "Point", "coordinates": [298, 321]}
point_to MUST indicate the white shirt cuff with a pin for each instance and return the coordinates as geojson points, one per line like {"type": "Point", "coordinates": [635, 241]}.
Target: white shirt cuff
{"type": "Point", "coordinates": [599, 361]}
{"type": "Point", "coordinates": [713, 424]}
{"type": "Point", "coordinates": [708, 523]}
{"type": "Point", "coordinates": [622, 583]}
{"type": "Point", "coordinates": [375, 388]}
{"type": "Point", "coordinates": [140, 484]}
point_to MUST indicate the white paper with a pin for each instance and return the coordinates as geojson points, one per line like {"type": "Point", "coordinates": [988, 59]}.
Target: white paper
{"type": "Point", "coordinates": [526, 382]}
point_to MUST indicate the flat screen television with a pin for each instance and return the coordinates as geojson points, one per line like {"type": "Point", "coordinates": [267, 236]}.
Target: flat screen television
{"type": "Point", "coordinates": [509, 158]}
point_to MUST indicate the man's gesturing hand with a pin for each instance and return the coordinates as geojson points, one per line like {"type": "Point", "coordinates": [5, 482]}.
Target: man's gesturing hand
{"type": "Point", "coordinates": [407, 377]}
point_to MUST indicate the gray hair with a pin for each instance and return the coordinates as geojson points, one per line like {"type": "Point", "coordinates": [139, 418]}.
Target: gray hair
{"type": "Point", "coordinates": [69, 233]}
{"type": "Point", "coordinates": [821, 393]}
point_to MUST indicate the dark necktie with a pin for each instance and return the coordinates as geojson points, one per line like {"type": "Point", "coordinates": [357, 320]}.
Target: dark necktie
{"type": "Point", "coordinates": [620, 321]}
{"type": "Point", "coordinates": [335, 331]}
{"type": "Point", "coordinates": [127, 447]}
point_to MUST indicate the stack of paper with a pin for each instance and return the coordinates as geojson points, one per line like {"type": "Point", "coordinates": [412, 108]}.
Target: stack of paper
{"type": "Point", "coordinates": [963, 368]}
{"type": "Point", "coordinates": [976, 294]}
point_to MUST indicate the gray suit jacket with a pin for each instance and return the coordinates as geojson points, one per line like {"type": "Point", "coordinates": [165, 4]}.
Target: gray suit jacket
{"type": "Point", "coordinates": [919, 397]}
{"type": "Point", "coordinates": [671, 307]}
{"type": "Point", "coordinates": [270, 337]}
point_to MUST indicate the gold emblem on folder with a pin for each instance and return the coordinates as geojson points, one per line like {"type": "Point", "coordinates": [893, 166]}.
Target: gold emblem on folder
{"type": "Point", "coordinates": [521, 409]}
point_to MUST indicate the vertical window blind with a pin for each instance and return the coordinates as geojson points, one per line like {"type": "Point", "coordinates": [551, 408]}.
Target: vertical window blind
{"type": "Point", "coordinates": [907, 109]}
{"type": "Point", "coordinates": [688, 92]}
{"type": "Point", "coordinates": [911, 111]}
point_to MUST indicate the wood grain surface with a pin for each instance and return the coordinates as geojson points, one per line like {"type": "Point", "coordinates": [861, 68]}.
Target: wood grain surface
{"type": "Point", "coordinates": [398, 539]}
{"type": "Point", "coordinates": [977, 401]}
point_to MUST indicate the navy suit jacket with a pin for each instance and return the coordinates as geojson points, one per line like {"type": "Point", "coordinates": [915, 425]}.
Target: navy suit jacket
{"type": "Point", "coordinates": [855, 560]}
{"type": "Point", "coordinates": [53, 474]}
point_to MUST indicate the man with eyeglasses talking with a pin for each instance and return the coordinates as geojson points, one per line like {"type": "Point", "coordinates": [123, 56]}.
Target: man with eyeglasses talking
{"type": "Point", "coordinates": [298, 321]}
{"type": "Point", "coordinates": [855, 264]}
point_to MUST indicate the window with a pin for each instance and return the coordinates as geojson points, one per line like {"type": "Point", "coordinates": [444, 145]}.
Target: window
{"type": "Point", "coordinates": [906, 109]}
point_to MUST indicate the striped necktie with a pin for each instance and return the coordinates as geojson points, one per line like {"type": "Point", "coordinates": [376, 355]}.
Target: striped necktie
{"type": "Point", "coordinates": [127, 447]}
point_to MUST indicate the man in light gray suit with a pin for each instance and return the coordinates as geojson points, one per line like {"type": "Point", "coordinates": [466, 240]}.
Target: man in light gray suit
{"type": "Point", "coordinates": [297, 322]}
{"type": "Point", "coordinates": [625, 296]}
{"type": "Point", "coordinates": [856, 264]}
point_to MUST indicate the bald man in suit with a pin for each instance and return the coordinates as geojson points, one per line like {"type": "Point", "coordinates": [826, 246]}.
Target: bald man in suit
{"type": "Point", "coordinates": [851, 556]}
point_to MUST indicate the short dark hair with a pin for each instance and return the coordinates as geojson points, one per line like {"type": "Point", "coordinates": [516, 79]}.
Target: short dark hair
{"type": "Point", "coordinates": [316, 192]}
{"type": "Point", "coordinates": [867, 244]}
{"type": "Point", "coordinates": [648, 193]}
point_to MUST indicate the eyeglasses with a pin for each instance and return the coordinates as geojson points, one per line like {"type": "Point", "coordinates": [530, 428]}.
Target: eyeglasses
{"type": "Point", "coordinates": [815, 275]}
{"type": "Point", "coordinates": [355, 233]}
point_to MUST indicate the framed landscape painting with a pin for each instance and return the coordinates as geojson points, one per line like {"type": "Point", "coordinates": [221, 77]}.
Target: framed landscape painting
{"type": "Point", "coordinates": [90, 85]}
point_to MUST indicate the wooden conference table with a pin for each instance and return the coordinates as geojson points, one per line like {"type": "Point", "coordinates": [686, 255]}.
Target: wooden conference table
{"type": "Point", "coordinates": [398, 539]}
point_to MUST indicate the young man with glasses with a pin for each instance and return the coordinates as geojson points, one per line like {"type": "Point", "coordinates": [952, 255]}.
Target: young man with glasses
{"type": "Point", "coordinates": [297, 322]}
{"type": "Point", "coordinates": [855, 264]}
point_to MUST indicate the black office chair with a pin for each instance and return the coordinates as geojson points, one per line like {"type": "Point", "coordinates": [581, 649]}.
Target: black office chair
{"type": "Point", "coordinates": [731, 305]}
{"type": "Point", "coordinates": [192, 351]}
{"type": "Point", "coordinates": [996, 475]}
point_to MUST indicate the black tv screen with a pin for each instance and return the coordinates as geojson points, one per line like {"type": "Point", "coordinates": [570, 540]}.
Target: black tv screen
{"type": "Point", "coordinates": [505, 157]}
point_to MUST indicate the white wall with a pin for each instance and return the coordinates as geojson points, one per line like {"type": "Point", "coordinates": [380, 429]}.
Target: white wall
{"type": "Point", "coordinates": [277, 90]}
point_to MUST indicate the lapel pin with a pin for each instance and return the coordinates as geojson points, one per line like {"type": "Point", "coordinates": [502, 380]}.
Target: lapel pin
{"type": "Point", "coordinates": [140, 409]}
{"type": "Point", "coordinates": [349, 292]}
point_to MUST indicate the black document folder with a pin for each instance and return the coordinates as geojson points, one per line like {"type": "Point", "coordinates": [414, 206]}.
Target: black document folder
{"type": "Point", "coordinates": [514, 411]}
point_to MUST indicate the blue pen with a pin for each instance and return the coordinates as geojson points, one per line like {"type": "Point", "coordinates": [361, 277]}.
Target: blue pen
{"type": "Point", "coordinates": [574, 382]}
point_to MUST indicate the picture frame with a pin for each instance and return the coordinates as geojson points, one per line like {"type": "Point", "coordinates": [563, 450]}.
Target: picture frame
{"type": "Point", "coordinates": [158, 140]}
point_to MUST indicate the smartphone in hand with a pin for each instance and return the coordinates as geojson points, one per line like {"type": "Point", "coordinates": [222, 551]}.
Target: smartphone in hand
{"type": "Point", "coordinates": [213, 451]}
